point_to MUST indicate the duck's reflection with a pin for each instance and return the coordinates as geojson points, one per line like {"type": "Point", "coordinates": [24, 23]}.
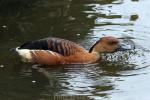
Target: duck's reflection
{"type": "Point", "coordinates": [91, 79]}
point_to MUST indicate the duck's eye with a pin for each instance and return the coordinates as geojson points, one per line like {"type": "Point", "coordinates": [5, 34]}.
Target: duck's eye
{"type": "Point", "coordinates": [112, 43]}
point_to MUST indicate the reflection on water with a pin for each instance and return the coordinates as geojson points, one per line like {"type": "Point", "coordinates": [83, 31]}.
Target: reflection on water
{"type": "Point", "coordinates": [119, 76]}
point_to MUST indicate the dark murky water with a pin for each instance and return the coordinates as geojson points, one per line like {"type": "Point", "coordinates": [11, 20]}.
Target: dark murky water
{"type": "Point", "coordinates": [120, 76]}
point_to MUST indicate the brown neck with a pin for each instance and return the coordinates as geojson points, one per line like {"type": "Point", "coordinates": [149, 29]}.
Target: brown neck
{"type": "Point", "coordinates": [92, 48]}
{"type": "Point", "coordinates": [96, 47]}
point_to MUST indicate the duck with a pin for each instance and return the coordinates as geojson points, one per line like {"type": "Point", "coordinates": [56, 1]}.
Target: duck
{"type": "Point", "coordinates": [56, 51]}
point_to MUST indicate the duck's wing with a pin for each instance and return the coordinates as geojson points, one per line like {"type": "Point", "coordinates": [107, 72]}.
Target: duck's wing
{"type": "Point", "coordinates": [60, 46]}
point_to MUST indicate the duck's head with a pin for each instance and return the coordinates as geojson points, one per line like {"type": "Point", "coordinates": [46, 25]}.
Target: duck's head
{"type": "Point", "coordinates": [108, 44]}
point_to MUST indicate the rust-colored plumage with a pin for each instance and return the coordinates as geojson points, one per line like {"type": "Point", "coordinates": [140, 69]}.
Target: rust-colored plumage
{"type": "Point", "coordinates": [52, 51]}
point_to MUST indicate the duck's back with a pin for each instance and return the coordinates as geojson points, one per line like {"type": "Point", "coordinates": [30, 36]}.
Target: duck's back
{"type": "Point", "coordinates": [60, 46]}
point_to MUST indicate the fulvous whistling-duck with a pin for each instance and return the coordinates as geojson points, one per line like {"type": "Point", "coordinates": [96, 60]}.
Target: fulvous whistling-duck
{"type": "Point", "coordinates": [52, 51]}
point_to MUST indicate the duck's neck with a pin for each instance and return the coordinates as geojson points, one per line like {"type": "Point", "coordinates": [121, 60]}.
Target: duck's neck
{"type": "Point", "coordinates": [94, 53]}
{"type": "Point", "coordinates": [97, 47]}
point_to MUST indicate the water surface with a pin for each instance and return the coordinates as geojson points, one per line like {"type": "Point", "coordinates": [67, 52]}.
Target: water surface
{"type": "Point", "coordinates": [119, 76]}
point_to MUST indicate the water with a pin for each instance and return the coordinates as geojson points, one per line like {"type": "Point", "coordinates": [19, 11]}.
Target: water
{"type": "Point", "coordinates": [120, 76]}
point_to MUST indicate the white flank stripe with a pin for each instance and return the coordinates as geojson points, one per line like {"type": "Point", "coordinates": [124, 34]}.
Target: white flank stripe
{"type": "Point", "coordinates": [52, 53]}
{"type": "Point", "coordinates": [25, 54]}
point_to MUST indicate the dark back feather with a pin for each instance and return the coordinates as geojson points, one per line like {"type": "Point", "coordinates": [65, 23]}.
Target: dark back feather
{"type": "Point", "coordinates": [61, 46]}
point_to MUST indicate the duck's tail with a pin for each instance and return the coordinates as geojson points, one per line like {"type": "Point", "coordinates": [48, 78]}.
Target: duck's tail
{"type": "Point", "coordinates": [23, 53]}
